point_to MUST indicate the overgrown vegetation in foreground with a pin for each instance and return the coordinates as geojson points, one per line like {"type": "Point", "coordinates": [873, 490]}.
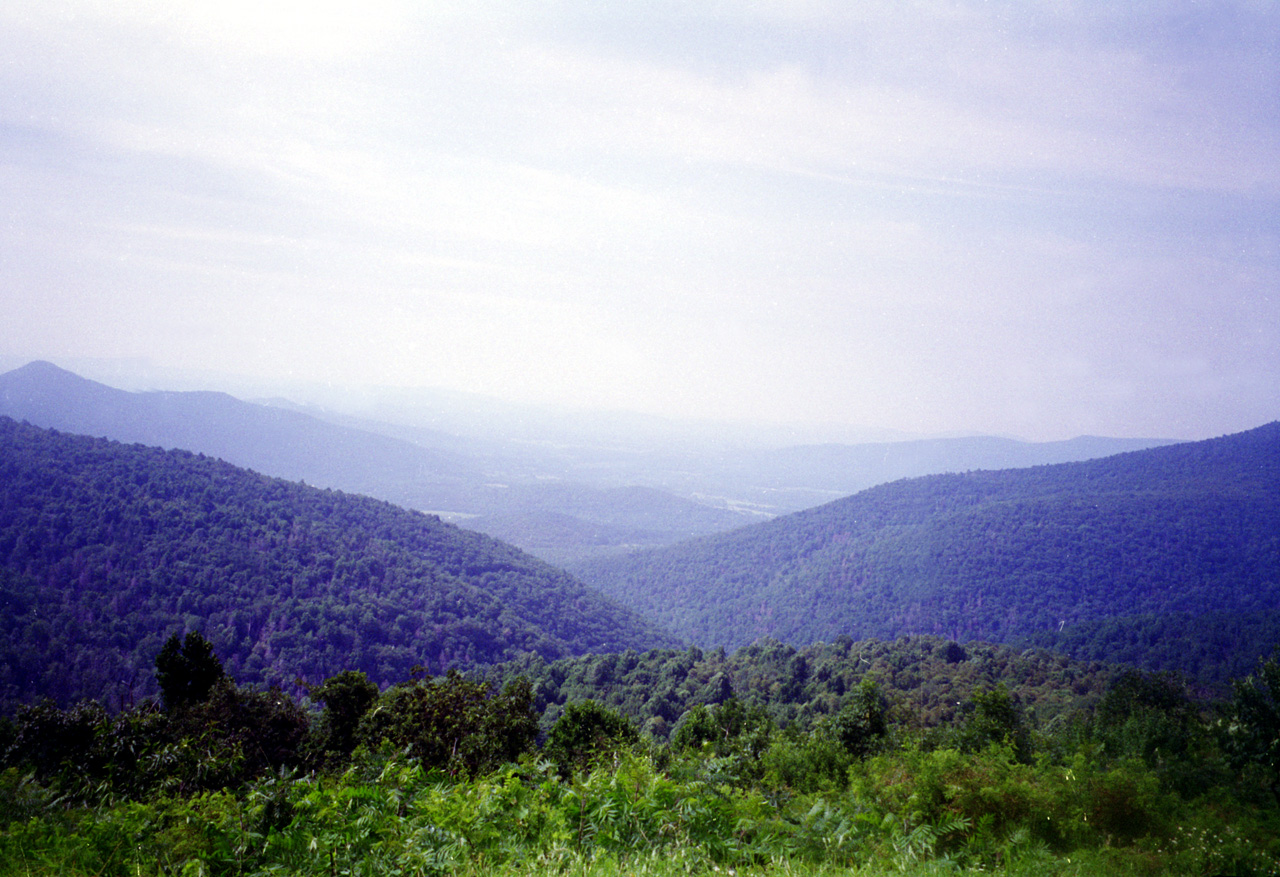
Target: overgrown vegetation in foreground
{"type": "Point", "coordinates": [451, 776]}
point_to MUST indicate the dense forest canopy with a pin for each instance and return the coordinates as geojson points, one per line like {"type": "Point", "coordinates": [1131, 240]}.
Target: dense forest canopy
{"type": "Point", "coordinates": [1144, 545]}
{"type": "Point", "coordinates": [107, 549]}
{"type": "Point", "coordinates": [924, 679]}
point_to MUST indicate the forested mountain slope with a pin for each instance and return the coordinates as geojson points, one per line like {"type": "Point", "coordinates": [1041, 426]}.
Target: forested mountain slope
{"type": "Point", "coordinates": [1163, 538]}
{"type": "Point", "coordinates": [567, 523]}
{"type": "Point", "coordinates": [107, 549]}
{"type": "Point", "coordinates": [514, 499]}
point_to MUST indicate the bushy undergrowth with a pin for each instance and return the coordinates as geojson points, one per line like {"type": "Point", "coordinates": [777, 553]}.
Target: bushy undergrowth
{"type": "Point", "coordinates": [908, 811]}
{"type": "Point", "coordinates": [447, 776]}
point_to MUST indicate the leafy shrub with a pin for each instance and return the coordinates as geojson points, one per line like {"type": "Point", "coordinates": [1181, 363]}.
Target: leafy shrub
{"type": "Point", "coordinates": [1125, 803]}
{"type": "Point", "coordinates": [48, 740]}
{"type": "Point", "coordinates": [733, 735]}
{"type": "Point", "coordinates": [1253, 737]}
{"type": "Point", "coordinates": [995, 796]}
{"type": "Point", "coordinates": [993, 717]}
{"type": "Point", "coordinates": [454, 723]}
{"type": "Point", "coordinates": [347, 697]}
{"type": "Point", "coordinates": [810, 762]}
{"type": "Point", "coordinates": [21, 797]}
{"type": "Point", "coordinates": [587, 734]}
{"type": "Point", "coordinates": [862, 723]}
{"type": "Point", "coordinates": [1149, 716]}
{"type": "Point", "coordinates": [237, 734]}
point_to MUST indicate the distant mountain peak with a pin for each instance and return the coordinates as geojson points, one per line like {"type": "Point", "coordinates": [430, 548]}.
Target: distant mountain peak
{"type": "Point", "coordinates": [49, 386]}
{"type": "Point", "coordinates": [43, 368]}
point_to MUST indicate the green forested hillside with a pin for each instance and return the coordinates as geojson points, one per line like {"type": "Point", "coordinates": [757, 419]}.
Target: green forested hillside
{"type": "Point", "coordinates": [1159, 537]}
{"type": "Point", "coordinates": [107, 549]}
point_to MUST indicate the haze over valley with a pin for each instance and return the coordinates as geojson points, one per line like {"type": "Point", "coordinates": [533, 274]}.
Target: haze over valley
{"type": "Point", "coordinates": [563, 490]}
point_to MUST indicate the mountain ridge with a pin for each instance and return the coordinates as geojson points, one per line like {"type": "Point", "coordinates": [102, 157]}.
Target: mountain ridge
{"type": "Point", "coordinates": [289, 443]}
{"type": "Point", "coordinates": [984, 555]}
{"type": "Point", "coordinates": [622, 498]}
{"type": "Point", "coordinates": [107, 548]}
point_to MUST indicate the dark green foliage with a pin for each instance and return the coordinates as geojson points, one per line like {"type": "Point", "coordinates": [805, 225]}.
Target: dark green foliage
{"type": "Point", "coordinates": [1053, 554]}
{"type": "Point", "coordinates": [729, 729]}
{"type": "Point", "coordinates": [698, 728]}
{"type": "Point", "coordinates": [347, 697]}
{"type": "Point", "coordinates": [8, 736]}
{"type": "Point", "coordinates": [992, 717]}
{"type": "Point", "coordinates": [187, 670]}
{"type": "Point", "coordinates": [862, 722]}
{"type": "Point", "coordinates": [1152, 717]}
{"type": "Point", "coordinates": [1253, 737]}
{"type": "Point", "coordinates": [586, 734]}
{"type": "Point", "coordinates": [212, 734]}
{"type": "Point", "coordinates": [453, 723]}
{"type": "Point", "coordinates": [48, 740]}
{"type": "Point", "coordinates": [1211, 647]}
{"type": "Point", "coordinates": [813, 761]}
{"type": "Point", "coordinates": [909, 812]}
{"type": "Point", "coordinates": [442, 786]}
{"type": "Point", "coordinates": [234, 735]}
{"type": "Point", "coordinates": [919, 678]}
{"type": "Point", "coordinates": [227, 739]}
{"type": "Point", "coordinates": [107, 549]}
{"type": "Point", "coordinates": [131, 755]}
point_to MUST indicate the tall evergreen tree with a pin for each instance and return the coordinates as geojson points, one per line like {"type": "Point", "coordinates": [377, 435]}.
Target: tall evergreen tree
{"type": "Point", "coordinates": [187, 670]}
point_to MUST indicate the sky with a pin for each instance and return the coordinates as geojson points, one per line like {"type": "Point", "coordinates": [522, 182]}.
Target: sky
{"type": "Point", "coordinates": [1040, 219]}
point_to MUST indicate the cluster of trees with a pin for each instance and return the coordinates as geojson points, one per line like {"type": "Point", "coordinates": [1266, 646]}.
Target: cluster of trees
{"type": "Point", "coordinates": [107, 549]}
{"type": "Point", "coordinates": [925, 678]}
{"type": "Point", "coordinates": [1056, 553]}
{"type": "Point", "coordinates": [208, 733]}
{"type": "Point", "coordinates": [453, 774]}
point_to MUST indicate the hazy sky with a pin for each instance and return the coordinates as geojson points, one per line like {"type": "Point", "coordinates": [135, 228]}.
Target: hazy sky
{"type": "Point", "coordinates": [1039, 219]}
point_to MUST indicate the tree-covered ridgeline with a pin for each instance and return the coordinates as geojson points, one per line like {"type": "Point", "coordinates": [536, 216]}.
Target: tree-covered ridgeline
{"type": "Point", "coordinates": [107, 549]}
{"type": "Point", "coordinates": [1134, 773]}
{"type": "Point", "coordinates": [1131, 556]}
{"type": "Point", "coordinates": [491, 482]}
